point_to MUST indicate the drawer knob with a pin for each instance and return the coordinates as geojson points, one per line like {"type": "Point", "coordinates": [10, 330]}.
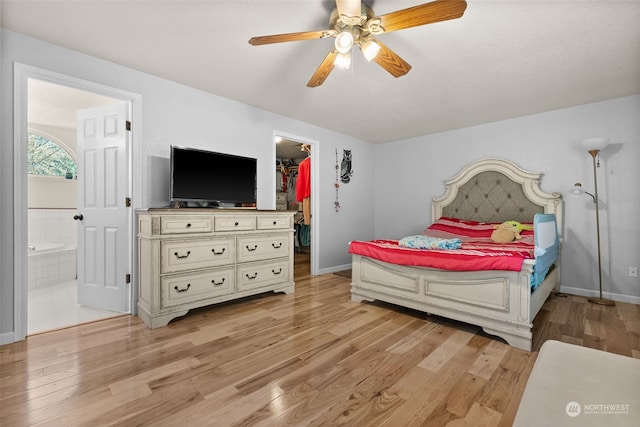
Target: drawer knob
{"type": "Point", "coordinates": [276, 272]}
{"type": "Point", "coordinates": [251, 249]}
{"type": "Point", "coordinates": [252, 277]}
{"type": "Point", "coordinates": [189, 225]}
{"type": "Point", "coordinates": [182, 290]}
{"type": "Point", "coordinates": [218, 253]}
{"type": "Point", "coordinates": [276, 247]}
{"type": "Point", "coordinates": [218, 283]}
{"type": "Point", "coordinates": [236, 223]}
{"type": "Point", "coordinates": [275, 222]}
{"type": "Point", "coordinates": [182, 256]}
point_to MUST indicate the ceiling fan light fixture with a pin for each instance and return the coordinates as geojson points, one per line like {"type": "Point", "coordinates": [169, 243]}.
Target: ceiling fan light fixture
{"type": "Point", "coordinates": [343, 60]}
{"type": "Point", "coordinates": [354, 22]}
{"type": "Point", "coordinates": [370, 48]}
{"type": "Point", "coordinates": [344, 41]}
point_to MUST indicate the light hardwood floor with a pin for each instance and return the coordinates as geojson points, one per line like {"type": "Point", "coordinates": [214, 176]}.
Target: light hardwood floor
{"type": "Point", "coordinates": [311, 358]}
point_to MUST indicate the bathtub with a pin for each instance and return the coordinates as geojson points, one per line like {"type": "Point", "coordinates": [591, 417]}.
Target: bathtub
{"type": "Point", "coordinates": [50, 263]}
{"type": "Point", "coordinates": [45, 248]}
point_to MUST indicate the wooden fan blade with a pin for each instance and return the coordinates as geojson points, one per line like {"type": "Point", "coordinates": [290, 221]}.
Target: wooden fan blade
{"type": "Point", "coordinates": [390, 61]}
{"type": "Point", "coordinates": [290, 37]}
{"type": "Point", "coordinates": [428, 13]}
{"type": "Point", "coordinates": [323, 70]}
{"type": "Point", "coordinates": [349, 8]}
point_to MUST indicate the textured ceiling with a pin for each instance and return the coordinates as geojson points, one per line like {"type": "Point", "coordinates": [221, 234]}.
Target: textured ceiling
{"type": "Point", "coordinates": [502, 59]}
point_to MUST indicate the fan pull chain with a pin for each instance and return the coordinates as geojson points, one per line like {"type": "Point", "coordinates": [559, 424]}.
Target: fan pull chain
{"type": "Point", "coordinates": [337, 184]}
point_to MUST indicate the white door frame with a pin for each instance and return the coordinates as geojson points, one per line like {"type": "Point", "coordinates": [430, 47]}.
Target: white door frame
{"type": "Point", "coordinates": [22, 74]}
{"type": "Point", "coordinates": [315, 200]}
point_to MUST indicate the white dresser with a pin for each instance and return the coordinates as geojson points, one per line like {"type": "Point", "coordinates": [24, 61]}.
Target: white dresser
{"type": "Point", "coordinates": [193, 257]}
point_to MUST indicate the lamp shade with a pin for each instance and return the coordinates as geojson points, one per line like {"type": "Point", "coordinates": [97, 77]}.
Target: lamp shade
{"type": "Point", "coordinates": [596, 143]}
{"type": "Point", "coordinates": [576, 190]}
{"type": "Point", "coordinates": [344, 41]}
{"type": "Point", "coordinates": [370, 48]}
{"type": "Point", "coordinates": [343, 60]}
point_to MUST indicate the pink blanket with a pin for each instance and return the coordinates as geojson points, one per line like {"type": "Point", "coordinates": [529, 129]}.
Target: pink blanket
{"type": "Point", "coordinates": [478, 251]}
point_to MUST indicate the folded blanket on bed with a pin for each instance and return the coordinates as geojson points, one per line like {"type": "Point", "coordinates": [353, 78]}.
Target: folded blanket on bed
{"type": "Point", "coordinates": [426, 242]}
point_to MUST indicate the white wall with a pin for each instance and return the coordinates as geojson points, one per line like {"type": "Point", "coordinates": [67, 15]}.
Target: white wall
{"type": "Point", "coordinates": [410, 172]}
{"type": "Point", "coordinates": [53, 192]}
{"type": "Point", "coordinates": [176, 114]}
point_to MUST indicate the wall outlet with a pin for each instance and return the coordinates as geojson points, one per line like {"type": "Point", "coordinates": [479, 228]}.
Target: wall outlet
{"type": "Point", "coordinates": [633, 271]}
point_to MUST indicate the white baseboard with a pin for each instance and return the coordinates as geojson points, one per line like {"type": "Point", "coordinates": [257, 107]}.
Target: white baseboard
{"type": "Point", "coordinates": [335, 268]}
{"type": "Point", "coordinates": [590, 293]}
{"type": "Point", "coordinates": [7, 338]}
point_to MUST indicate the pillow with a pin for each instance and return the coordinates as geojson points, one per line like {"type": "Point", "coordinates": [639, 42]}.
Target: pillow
{"type": "Point", "coordinates": [468, 228]}
{"type": "Point", "coordinates": [425, 242]}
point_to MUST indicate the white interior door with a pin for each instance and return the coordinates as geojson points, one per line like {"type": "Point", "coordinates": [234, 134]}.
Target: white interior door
{"type": "Point", "coordinates": [103, 219]}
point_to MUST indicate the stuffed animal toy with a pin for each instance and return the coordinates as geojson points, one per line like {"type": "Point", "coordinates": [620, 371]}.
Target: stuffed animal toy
{"type": "Point", "coordinates": [508, 231]}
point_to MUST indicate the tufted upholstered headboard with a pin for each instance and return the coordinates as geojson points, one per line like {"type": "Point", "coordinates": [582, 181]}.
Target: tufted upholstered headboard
{"type": "Point", "coordinates": [496, 190]}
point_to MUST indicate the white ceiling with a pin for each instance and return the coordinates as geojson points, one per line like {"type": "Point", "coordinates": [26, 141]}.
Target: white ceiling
{"type": "Point", "coordinates": [55, 105]}
{"type": "Point", "coordinates": [502, 59]}
{"type": "Point", "coordinates": [287, 149]}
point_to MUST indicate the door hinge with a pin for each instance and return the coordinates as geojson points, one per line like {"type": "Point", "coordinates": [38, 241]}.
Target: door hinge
{"type": "Point", "coordinates": [127, 202]}
{"type": "Point", "coordinates": [127, 279]}
{"type": "Point", "coordinates": [128, 125]}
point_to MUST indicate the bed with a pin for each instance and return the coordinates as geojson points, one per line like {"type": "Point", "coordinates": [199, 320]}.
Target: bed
{"type": "Point", "coordinates": [503, 302]}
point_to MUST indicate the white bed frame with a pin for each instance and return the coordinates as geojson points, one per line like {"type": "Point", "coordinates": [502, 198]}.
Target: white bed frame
{"type": "Point", "coordinates": [501, 302]}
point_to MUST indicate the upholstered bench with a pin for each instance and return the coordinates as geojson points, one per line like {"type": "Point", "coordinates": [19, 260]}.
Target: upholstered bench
{"type": "Point", "coordinates": [572, 385]}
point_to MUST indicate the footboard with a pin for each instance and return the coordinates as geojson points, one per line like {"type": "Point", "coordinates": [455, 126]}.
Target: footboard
{"type": "Point", "coordinates": [500, 302]}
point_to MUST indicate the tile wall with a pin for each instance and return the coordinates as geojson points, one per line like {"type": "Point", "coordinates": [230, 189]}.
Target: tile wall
{"type": "Point", "coordinates": [51, 226]}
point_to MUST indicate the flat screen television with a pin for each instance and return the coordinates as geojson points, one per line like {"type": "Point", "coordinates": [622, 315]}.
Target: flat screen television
{"type": "Point", "coordinates": [210, 179]}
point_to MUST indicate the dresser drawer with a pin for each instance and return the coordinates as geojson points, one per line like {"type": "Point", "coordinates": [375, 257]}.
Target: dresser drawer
{"type": "Point", "coordinates": [184, 225]}
{"type": "Point", "coordinates": [235, 223]}
{"type": "Point", "coordinates": [185, 288]}
{"type": "Point", "coordinates": [260, 274]}
{"type": "Point", "coordinates": [253, 248]}
{"type": "Point", "coordinates": [274, 222]}
{"type": "Point", "coordinates": [186, 255]}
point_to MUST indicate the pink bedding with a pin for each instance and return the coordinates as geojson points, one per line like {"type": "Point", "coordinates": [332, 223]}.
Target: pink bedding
{"type": "Point", "coordinates": [478, 251]}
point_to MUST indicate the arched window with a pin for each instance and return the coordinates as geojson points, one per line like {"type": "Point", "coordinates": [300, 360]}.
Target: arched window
{"type": "Point", "coordinates": [49, 158]}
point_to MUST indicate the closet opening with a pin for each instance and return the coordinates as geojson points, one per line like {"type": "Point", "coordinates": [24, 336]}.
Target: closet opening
{"type": "Point", "coordinates": [293, 193]}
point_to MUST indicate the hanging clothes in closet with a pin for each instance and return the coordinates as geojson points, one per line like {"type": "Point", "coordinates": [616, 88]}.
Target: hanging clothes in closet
{"type": "Point", "coordinates": [303, 184]}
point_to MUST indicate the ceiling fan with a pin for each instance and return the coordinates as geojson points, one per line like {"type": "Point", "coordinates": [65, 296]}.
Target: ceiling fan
{"type": "Point", "coordinates": [354, 23]}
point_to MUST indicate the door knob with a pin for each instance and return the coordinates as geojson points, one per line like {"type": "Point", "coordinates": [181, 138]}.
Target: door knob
{"type": "Point", "coordinates": [78, 217]}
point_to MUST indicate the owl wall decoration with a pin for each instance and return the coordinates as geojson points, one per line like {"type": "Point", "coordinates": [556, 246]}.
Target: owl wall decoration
{"type": "Point", "coordinates": [346, 170]}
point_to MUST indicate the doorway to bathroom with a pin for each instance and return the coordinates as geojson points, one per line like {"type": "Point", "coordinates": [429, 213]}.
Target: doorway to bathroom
{"type": "Point", "coordinates": [56, 236]}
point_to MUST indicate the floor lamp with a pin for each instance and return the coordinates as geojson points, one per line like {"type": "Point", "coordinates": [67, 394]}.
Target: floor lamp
{"type": "Point", "coordinates": [593, 146]}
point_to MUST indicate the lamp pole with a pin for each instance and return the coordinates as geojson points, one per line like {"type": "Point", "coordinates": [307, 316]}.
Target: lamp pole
{"type": "Point", "coordinates": [598, 300]}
